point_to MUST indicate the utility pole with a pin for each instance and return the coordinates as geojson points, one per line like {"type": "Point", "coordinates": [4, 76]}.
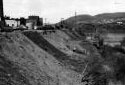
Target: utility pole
{"type": "Point", "coordinates": [75, 22]}
{"type": "Point", "coordinates": [62, 22]}
{"type": "Point", "coordinates": [75, 19]}
{"type": "Point", "coordinates": [45, 21]}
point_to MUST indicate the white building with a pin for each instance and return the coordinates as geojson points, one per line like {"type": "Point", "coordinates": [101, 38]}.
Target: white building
{"type": "Point", "coordinates": [12, 23]}
{"type": "Point", "coordinates": [30, 25]}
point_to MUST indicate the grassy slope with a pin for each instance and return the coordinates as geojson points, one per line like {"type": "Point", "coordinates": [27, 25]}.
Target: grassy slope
{"type": "Point", "coordinates": [27, 64]}
{"type": "Point", "coordinates": [114, 58]}
{"type": "Point", "coordinates": [9, 73]}
{"type": "Point", "coordinates": [96, 18]}
{"type": "Point", "coordinates": [93, 74]}
{"type": "Point", "coordinates": [66, 60]}
{"type": "Point", "coordinates": [81, 20]}
{"type": "Point", "coordinates": [30, 65]}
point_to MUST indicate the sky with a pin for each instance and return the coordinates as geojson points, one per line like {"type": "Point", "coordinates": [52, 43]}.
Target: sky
{"type": "Point", "coordinates": [53, 10]}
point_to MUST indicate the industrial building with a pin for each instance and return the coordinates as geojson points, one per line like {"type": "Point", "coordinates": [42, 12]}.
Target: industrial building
{"type": "Point", "coordinates": [12, 23]}
{"type": "Point", "coordinates": [33, 22]}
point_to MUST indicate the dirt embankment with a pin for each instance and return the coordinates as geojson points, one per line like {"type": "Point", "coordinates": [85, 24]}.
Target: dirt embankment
{"type": "Point", "coordinates": [31, 58]}
{"type": "Point", "coordinates": [66, 60]}
{"type": "Point", "coordinates": [24, 63]}
{"type": "Point", "coordinates": [89, 65]}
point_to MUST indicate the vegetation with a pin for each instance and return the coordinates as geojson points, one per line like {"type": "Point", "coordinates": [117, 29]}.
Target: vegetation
{"type": "Point", "coordinates": [106, 68]}
{"type": "Point", "coordinates": [9, 73]}
{"type": "Point", "coordinates": [115, 59]}
{"type": "Point", "coordinates": [98, 68]}
{"type": "Point", "coordinates": [102, 18]}
{"type": "Point", "coordinates": [123, 42]}
{"type": "Point", "coordinates": [78, 65]}
{"type": "Point", "coordinates": [103, 22]}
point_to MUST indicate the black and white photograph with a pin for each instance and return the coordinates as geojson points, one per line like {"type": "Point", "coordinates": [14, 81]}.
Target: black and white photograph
{"type": "Point", "coordinates": [62, 42]}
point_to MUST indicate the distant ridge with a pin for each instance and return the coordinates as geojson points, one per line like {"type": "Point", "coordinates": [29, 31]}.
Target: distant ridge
{"type": "Point", "coordinates": [81, 18]}
{"type": "Point", "coordinates": [100, 18]}
{"type": "Point", "coordinates": [111, 15]}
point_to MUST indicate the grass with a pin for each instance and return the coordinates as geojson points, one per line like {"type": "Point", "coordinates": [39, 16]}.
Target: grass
{"type": "Point", "coordinates": [78, 65]}
{"type": "Point", "coordinates": [9, 73]}
{"type": "Point", "coordinates": [95, 73]}
{"type": "Point", "coordinates": [114, 58]}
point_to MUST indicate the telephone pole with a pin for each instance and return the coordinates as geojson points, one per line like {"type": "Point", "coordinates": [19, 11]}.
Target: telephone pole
{"type": "Point", "coordinates": [75, 19]}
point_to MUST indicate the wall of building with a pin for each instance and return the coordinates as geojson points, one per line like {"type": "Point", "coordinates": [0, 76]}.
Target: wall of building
{"type": "Point", "coordinates": [12, 23]}
{"type": "Point", "coordinates": [30, 25]}
{"type": "Point", "coordinates": [33, 22]}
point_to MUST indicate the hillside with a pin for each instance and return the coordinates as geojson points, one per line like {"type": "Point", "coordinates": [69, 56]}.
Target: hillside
{"type": "Point", "coordinates": [31, 58]}
{"type": "Point", "coordinates": [102, 18]}
{"type": "Point", "coordinates": [57, 58]}
{"type": "Point", "coordinates": [24, 63]}
{"type": "Point", "coordinates": [56, 47]}
{"type": "Point", "coordinates": [111, 15]}
{"type": "Point", "coordinates": [80, 18]}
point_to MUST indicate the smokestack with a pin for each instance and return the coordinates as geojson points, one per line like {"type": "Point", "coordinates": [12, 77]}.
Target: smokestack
{"type": "Point", "coordinates": [2, 21]}
{"type": "Point", "coordinates": [1, 11]}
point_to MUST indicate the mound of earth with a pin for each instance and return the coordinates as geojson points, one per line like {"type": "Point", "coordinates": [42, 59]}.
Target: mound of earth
{"type": "Point", "coordinates": [24, 63]}
{"type": "Point", "coordinates": [33, 58]}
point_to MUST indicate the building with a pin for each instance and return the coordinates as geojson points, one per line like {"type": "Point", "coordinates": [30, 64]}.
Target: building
{"type": "Point", "coordinates": [40, 21]}
{"type": "Point", "coordinates": [15, 23]}
{"type": "Point", "coordinates": [33, 22]}
{"type": "Point", "coordinates": [23, 21]}
{"type": "Point", "coordinates": [12, 22]}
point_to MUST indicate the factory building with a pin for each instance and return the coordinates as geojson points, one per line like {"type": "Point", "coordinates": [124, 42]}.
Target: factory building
{"type": "Point", "coordinates": [33, 22]}
{"type": "Point", "coordinates": [12, 23]}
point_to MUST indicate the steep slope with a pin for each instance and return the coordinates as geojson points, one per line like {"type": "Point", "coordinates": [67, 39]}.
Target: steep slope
{"type": "Point", "coordinates": [63, 42]}
{"type": "Point", "coordinates": [9, 73]}
{"type": "Point", "coordinates": [31, 58]}
{"type": "Point", "coordinates": [24, 63]}
{"type": "Point", "coordinates": [66, 60]}
{"type": "Point", "coordinates": [89, 65]}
